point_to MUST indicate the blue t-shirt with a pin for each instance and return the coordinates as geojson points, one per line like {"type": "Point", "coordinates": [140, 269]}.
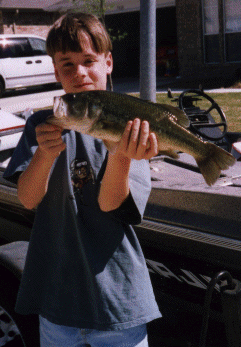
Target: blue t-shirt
{"type": "Point", "coordinates": [84, 267]}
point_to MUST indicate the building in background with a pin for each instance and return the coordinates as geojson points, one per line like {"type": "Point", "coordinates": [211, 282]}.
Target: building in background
{"type": "Point", "coordinates": [195, 38]}
{"type": "Point", "coordinates": [123, 20]}
{"type": "Point", "coordinates": [25, 16]}
{"type": "Point", "coordinates": [209, 36]}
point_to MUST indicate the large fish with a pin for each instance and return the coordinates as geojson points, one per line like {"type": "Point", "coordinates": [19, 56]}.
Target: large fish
{"type": "Point", "coordinates": [104, 115]}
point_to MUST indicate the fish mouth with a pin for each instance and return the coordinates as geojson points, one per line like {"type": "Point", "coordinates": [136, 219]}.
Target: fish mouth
{"type": "Point", "coordinates": [59, 107]}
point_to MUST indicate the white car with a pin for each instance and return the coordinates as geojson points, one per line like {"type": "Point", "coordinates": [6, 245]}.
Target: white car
{"type": "Point", "coordinates": [24, 62]}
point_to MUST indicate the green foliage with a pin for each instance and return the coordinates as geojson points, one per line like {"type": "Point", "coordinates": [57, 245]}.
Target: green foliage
{"type": "Point", "coordinates": [116, 36]}
{"type": "Point", "coordinates": [229, 102]}
{"type": "Point", "coordinates": [98, 8]}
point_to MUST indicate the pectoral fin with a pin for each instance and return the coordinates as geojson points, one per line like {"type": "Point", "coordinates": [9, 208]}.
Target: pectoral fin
{"type": "Point", "coordinates": [106, 130]}
{"type": "Point", "coordinates": [170, 153]}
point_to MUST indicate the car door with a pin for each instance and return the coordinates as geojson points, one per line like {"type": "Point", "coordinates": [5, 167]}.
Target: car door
{"type": "Point", "coordinates": [24, 65]}
{"type": "Point", "coordinates": [16, 61]}
{"type": "Point", "coordinates": [43, 65]}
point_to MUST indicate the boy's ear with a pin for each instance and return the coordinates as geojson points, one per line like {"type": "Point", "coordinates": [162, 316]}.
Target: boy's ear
{"type": "Point", "coordinates": [109, 63]}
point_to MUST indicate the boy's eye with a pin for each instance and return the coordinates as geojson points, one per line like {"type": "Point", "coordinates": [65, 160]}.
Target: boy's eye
{"type": "Point", "coordinates": [89, 61]}
{"type": "Point", "coordinates": [67, 64]}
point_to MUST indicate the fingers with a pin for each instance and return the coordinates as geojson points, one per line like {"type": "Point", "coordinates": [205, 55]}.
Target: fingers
{"type": "Point", "coordinates": [125, 139]}
{"type": "Point", "coordinates": [143, 144]}
{"type": "Point", "coordinates": [137, 142]}
{"type": "Point", "coordinates": [153, 150]}
{"type": "Point", "coordinates": [49, 139]}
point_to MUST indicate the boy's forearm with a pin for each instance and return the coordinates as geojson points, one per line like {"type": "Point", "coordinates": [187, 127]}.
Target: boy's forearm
{"type": "Point", "coordinates": [136, 143]}
{"type": "Point", "coordinates": [115, 183]}
{"type": "Point", "coordinates": [33, 183]}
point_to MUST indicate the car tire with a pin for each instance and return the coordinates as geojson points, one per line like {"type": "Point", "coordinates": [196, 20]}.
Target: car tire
{"type": "Point", "coordinates": [2, 89]}
{"type": "Point", "coordinates": [15, 329]}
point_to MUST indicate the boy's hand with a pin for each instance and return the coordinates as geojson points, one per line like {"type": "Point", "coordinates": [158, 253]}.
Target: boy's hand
{"type": "Point", "coordinates": [33, 182]}
{"type": "Point", "coordinates": [49, 140]}
{"type": "Point", "coordinates": [137, 142]}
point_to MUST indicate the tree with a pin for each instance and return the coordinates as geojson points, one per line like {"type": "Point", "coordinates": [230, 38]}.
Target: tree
{"type": "Point", "coordinates": [96, 7]}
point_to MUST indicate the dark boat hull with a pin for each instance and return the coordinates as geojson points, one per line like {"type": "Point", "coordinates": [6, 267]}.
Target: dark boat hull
{"type": "Point", "coordinates": [190, 233]}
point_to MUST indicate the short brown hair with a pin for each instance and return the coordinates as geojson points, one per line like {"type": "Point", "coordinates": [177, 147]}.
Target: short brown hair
{"type": "Point", "coordinates": [64, 35]}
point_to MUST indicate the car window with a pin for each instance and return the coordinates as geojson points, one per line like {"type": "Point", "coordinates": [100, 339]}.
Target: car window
{"type": "Point", "coordinates": [38, 46]}
{"type": "Point", "coordinates": [15, 48]}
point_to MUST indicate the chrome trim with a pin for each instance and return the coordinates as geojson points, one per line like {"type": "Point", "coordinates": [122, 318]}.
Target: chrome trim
{"type": "Point", "coordinates": [192, 235]}
{"type": "Point", "coordinates": [30, 76]}
{"type": "Point", "coordinates": [12, 131]}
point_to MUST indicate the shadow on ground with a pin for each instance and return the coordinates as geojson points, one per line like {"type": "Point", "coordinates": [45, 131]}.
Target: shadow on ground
{"type": "Point", "coordinates": [195, 83]}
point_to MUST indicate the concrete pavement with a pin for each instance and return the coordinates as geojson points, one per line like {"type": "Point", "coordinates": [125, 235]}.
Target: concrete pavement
{"type": "Point", "coordinates": [44, 99]}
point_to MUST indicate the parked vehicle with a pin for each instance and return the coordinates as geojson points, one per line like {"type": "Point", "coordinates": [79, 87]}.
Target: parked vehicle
{"type": "Point", "coordinates": [24, 62]}
{"type": "Point", "coordinates": [190, 236]}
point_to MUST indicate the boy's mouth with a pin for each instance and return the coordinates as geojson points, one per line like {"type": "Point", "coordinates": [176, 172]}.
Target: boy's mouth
{"type": "Point", "coordinates": [82, 85]}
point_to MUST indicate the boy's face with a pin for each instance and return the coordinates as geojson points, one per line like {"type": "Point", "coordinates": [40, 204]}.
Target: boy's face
{"type": "Point", "coordinates": [83, 71]}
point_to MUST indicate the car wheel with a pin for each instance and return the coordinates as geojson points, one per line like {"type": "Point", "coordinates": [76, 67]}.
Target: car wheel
{"type": "Point", "coordinates": [2, 89]}
{"type": "Point", "coordinates": [8, 330]}
{"type": "Point", "coordinates": [15, 330]}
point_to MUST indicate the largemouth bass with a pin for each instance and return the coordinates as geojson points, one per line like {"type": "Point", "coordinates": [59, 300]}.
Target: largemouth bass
{"type": "Point", "coordinates": [104, 115]}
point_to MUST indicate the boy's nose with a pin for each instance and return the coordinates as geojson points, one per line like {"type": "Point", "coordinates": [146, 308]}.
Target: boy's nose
{"type": "Point", "coordinates": [81, 70]}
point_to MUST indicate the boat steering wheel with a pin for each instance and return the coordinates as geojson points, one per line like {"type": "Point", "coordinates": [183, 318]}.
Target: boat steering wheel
{"type": "Point", "coordinates": [197, 126]}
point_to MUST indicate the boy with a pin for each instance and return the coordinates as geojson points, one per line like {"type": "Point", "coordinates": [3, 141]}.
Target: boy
{"type": "Point", "coordinates": [85, 274]}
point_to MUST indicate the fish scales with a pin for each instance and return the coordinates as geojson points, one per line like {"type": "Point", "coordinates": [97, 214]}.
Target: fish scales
{"type": "Point", "coordinates": [104, 115]}
{"type": "Point", "coordinates": [127, 107]}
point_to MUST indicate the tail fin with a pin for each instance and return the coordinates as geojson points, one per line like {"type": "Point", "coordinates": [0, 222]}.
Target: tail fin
{"type": "Point", "coordinates": [216, 160]}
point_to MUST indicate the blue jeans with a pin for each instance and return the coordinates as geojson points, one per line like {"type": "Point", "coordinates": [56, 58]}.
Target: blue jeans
{"type": "Point", "coordinates": [53, 335]}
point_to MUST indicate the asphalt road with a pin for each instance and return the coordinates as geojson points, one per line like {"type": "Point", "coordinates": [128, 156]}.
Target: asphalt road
{"type": "Point", "coordinates": [42, 96]}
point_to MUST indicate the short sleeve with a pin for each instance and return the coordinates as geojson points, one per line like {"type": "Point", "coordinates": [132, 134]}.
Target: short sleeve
{"type": "Point", "coordinates": [132, 209]}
